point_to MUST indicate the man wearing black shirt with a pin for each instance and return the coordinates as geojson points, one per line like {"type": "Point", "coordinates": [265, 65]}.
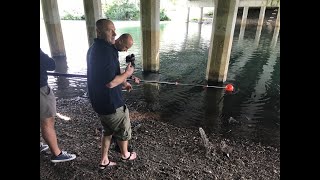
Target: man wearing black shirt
{"type": "Point", "coordinates": [105, 83]}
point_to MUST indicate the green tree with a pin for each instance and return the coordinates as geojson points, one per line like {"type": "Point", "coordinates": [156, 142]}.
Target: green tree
{"type": "Point", "coordinates": [163, 16]}
{"type": "Point", "coordinates": [73, 16]}
{"type": "Point", "coordinates": [122, 10]}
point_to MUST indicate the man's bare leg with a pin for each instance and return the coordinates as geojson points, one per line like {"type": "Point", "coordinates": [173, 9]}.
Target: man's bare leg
{"type": "Point", "coordinates": [125, 154]}
{"type": "Point", "coordinates": [105, 144]}
{"type": "Point", "coordinates": [49, 135]}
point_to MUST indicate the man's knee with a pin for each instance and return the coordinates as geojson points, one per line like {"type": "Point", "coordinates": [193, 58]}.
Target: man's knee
{"type": "Point", "coordinates": [47, 122]}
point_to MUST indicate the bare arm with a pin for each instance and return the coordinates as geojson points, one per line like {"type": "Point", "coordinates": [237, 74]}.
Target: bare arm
{"type": "Point", "coordinates": [121, 78]}
{"type": "Point", "coordinates": [123, 71]}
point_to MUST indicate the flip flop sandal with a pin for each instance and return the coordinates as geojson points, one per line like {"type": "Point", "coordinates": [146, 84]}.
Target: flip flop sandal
{"type": "Point", "coordinates": [128, 158]}
{"type": "Point", "coordinates": [102, 167]}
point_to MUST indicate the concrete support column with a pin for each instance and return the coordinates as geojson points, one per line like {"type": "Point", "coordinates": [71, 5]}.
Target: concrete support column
{"type": "Point", "coordinates": [188, 14]}
{"type": "Point", "coordinates": [261, 15]}
{"type": "Point", "coordinates": [243, 22]}
{"type": "Point", "coordinates": [100, 9]}
{"type": "Point", "coordinates": [201, 15]}
{"type": "Point", "coordinates": [278, 18]}
{"type": "Point", "coordinates": [53, 27]}
{"type": "Point", "coordinates": [259, 27]}
{"type": "Point", "coordinates": [276, 31]}
{"type": "Point", "coordinates": [275, 37]}
{"type": "Point", "coordinates": [61, 67]}
{"type": "Point", "coordinates": [92, 11]}
{"type": "Point", "coordinates": [221, 40]}
{"type": "Point", "coordinates": [150, 29]}
{"type": "Point", "coordinates": [244, 15]}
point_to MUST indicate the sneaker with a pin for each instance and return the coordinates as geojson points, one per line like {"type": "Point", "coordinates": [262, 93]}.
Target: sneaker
{"type": "Point", "coordinates": [62, 157]}
{"type": "Point", "coordinates": [43, 147]}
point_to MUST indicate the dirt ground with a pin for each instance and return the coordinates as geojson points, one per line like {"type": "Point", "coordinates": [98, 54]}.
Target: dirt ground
{"type": "Point", "coordinates": [164, 151]}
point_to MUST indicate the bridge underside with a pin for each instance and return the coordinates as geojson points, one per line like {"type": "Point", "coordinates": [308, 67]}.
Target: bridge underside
{"type": "Point", "coordinates": [242, 3]}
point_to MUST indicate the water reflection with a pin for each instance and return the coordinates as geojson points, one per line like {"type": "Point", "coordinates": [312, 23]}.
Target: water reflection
{"type": "Point", "coordinates": [257, 37]}
{"type": "Point", "coordinates": [199, 33]}
{"type": "Point", "coordinates": [213, 104]}
{"type": "Point", "coordinates": [275, 37]}
{"type": "Point", "coordinates": [66, 86]}
{"type": "Point", "coordinates": [151, 92]}
{"type": "Point", "coordinates": [186, 36]}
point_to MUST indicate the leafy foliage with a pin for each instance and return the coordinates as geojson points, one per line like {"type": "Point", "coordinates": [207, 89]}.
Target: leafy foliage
{"type": "Point", "coordinates": [73, 16]}
{"type": "Point", "coordinates": [122, 11]}
{"type": "Point", "coordinates": [163, 16]}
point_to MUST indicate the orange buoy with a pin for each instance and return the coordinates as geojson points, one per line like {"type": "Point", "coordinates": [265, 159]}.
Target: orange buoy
{"type": "Point", "coordinates": [229, 87]}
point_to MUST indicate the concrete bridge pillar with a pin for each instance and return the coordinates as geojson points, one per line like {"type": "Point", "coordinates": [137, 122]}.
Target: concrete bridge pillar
{"type": "Point", "coordinates": [261, 15]}
{"type": "Point", "coordinates": [276, 31]}
{"type": "Point", "coordinates": [278, 18]}
{"type": "Point", "coordinates": [188, 14]}
{"type": "Point", "coordinates": [53, 27]}
{"type": "Point", "coordinates": [150, 29]}
{"type": "Point", "coordinates": [92, 10]}
{"type": "Point", "coordinates": [243, 22]}
{"type": "Point", "coordinates": [221, 40]}
{"type": "Point", "coordinates": [201, 15]}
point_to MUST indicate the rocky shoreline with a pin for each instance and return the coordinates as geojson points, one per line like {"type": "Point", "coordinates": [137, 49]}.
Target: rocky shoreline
{"type": "Point", "coordinates": [164, 151]}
